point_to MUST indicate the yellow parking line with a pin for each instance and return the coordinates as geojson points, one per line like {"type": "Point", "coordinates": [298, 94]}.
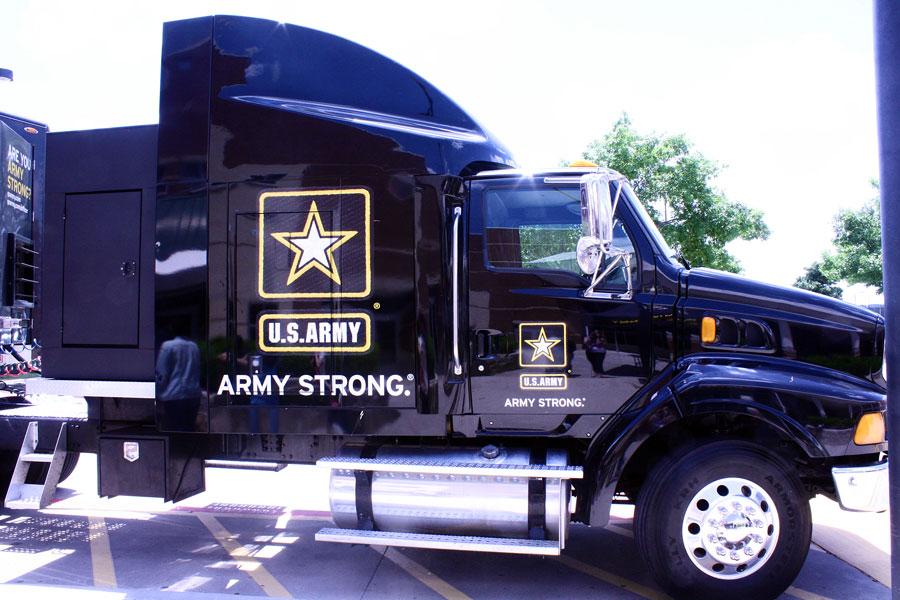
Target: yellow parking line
{"type": "Point", "coordinates": [101, 556]}
{"type": "Point", "coordinates": [804, 595]}
{"type": "Point", "coordinates": [616, 580]}
{"type": "Point", "coordinates": [245, 562]}
{"type": "Point", "coordinates": [425, 576]}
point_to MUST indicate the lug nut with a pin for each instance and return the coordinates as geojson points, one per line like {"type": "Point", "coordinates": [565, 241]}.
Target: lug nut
{"type": "Point", "coordinates": [748, 551]}
{"type": "Point", "coordinates": [737, 506]}
{"type": "Point", "coordinates": [758, 523]}
{"type": "Point", "coordinates": [720, 551]}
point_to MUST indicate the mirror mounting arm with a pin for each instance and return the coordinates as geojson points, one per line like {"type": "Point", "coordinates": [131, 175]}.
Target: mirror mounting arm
{"type": "Point", "coordinates": [617, 257]}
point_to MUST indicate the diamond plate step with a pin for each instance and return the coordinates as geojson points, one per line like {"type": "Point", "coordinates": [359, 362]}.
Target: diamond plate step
{"type": "Point", "coordinates": [405, 465]}
{"type": "Point", "coordinates": [439, 542]}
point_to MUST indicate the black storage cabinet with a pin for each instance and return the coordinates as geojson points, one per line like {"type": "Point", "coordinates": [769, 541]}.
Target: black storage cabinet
{"type": "Point", "coordinates": [157, 466]}
{"type": "Point", "coordinates": [97, 255]}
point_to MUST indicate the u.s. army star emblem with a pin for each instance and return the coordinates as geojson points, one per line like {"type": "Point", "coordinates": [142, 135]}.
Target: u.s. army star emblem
{"type": "Point", "coordinates": [543, 344]}
{"type": "Point", "coordinates": [313, 247]}
{"type": "Point", "coordinates": [315, 243]}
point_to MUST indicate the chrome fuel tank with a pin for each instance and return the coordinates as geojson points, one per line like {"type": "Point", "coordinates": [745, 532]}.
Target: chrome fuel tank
{"type": "Point", "coordinates": [501, 505]}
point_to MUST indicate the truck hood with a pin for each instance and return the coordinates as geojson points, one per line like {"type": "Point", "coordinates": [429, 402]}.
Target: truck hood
{"type": "Point", "coordinates": [803, 325]}
{"type": "Point", "coordinates": [728, 287]}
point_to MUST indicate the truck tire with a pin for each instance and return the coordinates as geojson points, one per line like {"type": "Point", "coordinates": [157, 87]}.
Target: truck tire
{"type": "Point", "coordinates": [7, 464]}
{"type": "Point", "coordinates": [723, 519]}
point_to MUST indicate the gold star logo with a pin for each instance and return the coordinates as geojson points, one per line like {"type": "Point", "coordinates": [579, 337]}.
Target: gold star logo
{"type": "Point", "coordinates": [542, 346]}
{"type": "Point", "coordinates": [313, 247]}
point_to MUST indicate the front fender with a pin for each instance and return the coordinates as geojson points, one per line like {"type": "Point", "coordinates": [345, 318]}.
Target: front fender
{"type": "Point", "coordinates": [815, 407]}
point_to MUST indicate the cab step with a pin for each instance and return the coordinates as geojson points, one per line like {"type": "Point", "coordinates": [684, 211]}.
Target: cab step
{"type": "Point", "coordinates": [439, 542]}
{"type": "Point", "coordinates": [432, 467]}
{"type": "Point", "coordinates": [21, 495]}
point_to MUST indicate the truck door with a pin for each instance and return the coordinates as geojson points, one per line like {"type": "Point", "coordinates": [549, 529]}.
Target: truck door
{"type": "Point", "coordinates": [538, 346]}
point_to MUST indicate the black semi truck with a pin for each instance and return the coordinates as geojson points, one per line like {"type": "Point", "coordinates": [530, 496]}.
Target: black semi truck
{"type": "Point", "coordinates": [317, 257]}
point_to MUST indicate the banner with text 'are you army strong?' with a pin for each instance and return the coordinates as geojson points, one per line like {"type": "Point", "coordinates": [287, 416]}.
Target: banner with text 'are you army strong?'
{"type": "Point", "coordinates": [17, 184]}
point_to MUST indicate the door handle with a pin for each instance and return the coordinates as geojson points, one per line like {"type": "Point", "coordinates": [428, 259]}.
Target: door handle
{"type": "Point", "coordinates": [487, 343]}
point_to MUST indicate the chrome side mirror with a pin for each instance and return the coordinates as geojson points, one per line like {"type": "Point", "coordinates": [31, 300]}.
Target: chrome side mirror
{"type": "Point", "coordinates": [598, 208]}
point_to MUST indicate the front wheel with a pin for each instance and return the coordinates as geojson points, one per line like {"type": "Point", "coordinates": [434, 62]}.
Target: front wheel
{"type": "Point", "coordinates": [723, 518]}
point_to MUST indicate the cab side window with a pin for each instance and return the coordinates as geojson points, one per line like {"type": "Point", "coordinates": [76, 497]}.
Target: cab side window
{"type": "Point", "coordinates": [538, 229]}
{"type": "Point", "coordinates": [532, 228]}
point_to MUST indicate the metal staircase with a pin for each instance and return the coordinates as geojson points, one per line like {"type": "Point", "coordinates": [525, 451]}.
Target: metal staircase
{"type": "Point", "coordinates": [22, 495]}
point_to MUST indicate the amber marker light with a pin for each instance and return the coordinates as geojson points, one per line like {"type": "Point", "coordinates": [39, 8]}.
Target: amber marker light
{"type": "Point", "coordinates": [870, 429]}
{"type": "Point", "coordinates": [708, 330]}
{"type": "Point", "coordinates": [582, 163]}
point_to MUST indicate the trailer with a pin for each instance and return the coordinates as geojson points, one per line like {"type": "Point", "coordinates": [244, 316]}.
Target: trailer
{"type": "Point", "coordinates": [318, 257]}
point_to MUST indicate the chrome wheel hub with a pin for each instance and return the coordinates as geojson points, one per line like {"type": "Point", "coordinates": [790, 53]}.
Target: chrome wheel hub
{"type": "Point", "coordinates": [730, 528]}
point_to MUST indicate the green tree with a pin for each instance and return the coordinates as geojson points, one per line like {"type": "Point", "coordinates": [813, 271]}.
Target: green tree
{"type": "Point", "coordinates": [815, 280]}
{"type": "Point", "coordinates": [857, 243]}
{"type": "Point", "coordinates": [668, 175]}
{"type": "Point", "coordinates": [857, 251]}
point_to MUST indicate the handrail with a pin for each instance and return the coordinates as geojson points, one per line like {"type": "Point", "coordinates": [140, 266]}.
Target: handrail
{"type": "Point", "coordinates": [454, 260]}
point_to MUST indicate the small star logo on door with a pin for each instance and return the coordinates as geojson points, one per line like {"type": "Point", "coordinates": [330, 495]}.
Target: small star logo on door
{"type": "Point", "coordinates": [542, 345]}
{"type": "Point", "coordinates": [315, 244]}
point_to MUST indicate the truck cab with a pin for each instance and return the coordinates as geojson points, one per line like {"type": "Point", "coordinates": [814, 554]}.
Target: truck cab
{"type": "Point", "coordinates": [350, 271]}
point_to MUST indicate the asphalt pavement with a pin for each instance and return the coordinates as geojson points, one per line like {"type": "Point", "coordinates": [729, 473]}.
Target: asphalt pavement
{"type": "Point", "coordinates": [251, 534]}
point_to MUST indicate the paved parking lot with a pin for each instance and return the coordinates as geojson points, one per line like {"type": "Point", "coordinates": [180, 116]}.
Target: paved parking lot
{"type": "Point", "coordinates": [214, 545]}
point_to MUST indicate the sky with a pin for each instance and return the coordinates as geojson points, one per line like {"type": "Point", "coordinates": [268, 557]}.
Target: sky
{"type": "Point", "coordinates": [781, 94]}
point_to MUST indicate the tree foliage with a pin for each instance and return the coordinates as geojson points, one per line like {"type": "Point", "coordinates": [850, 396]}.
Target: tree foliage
{"type": "Point", "coordinates": [815, 280]}
{"type": "Point", "coordinates": [857, 256]}
{"type": "Point", "coordinates": [665, 171]}
{"type": "Point", "coordinates": [857, 242]}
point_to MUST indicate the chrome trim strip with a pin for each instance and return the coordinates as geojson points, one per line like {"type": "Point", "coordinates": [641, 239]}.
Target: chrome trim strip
{"type": "Point", "coordinates": [572, 179]}
{"type": "Point", "coordinates": [396, 465]}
